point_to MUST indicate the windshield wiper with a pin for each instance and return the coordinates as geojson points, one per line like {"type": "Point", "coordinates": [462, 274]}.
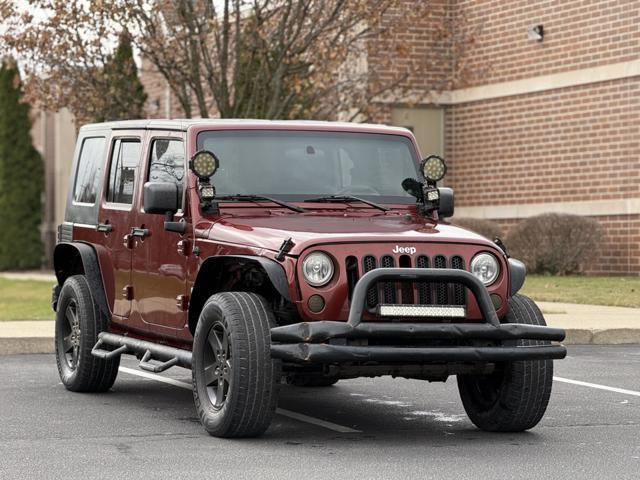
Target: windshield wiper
{"type": "Point", "coordinates": [346, 199]}
{"type": "Point", "coordinates": [257, 198]}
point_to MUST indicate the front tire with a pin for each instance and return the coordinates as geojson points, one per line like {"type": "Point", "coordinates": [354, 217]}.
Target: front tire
{"type": "Point", "coordinates": [235, 380]}
{"type": "Point", "coordinates": [515, 397]}
{"type": "Point", "coordinates": [78, 323]}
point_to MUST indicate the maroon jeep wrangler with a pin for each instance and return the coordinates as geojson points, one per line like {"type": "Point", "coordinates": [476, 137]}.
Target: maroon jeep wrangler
{"type": "Point", "coordinates": [256, 252]}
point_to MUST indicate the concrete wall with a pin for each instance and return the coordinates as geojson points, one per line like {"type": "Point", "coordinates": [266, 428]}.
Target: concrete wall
{"type": "Point", "coordinates": [54, 135]}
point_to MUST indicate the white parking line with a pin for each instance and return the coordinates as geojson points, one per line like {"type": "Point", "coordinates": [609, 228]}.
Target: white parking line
{"type": "Point", "coordinates": [281, 411]}
{"type": "Point", "coordinates": [595, 385]}
{"type": "Point", "coordinates": [316, 421]}
{"type": "Point", "coordinates": [153, 376]}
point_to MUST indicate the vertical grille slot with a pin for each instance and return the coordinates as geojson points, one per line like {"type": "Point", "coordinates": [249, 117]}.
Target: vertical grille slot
{"type": "Point", "coordinates": [458, 292]}
{"type": "Point", "coordinates": [406, 288]}
{"type": "Point", "coordinates": [368, 264]}
{"type": "Point", "coordinates": [351, 266]}
{"type": "Point", "coordinates": [424, 288]}
{"type": "Point", "coordinates": [388, 288]}
{"type": "Point", "coordinates": [440, 261]}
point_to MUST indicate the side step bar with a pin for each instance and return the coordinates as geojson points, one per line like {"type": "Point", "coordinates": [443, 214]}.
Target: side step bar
{"type": "Point", "coordinates": [167, 356]}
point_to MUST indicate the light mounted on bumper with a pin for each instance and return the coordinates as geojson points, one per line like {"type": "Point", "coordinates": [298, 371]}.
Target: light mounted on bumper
{"type": "Point", "coordinates": [437, 311]}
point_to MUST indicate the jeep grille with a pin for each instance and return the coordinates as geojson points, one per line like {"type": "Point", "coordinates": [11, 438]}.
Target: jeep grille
{"type": "Point", "coordinates": [408, 292]}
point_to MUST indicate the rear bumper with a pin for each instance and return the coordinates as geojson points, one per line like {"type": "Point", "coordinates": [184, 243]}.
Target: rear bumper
{"type": "Point", "coordinates": [332, 341]}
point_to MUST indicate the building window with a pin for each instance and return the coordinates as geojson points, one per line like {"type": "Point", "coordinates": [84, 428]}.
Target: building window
{"type": "Point", "coordinates": [167, 163]}
{"type": "Point", "coordinates": [125, 158]}
{"type": "Point", "coordinates": [89, 170]}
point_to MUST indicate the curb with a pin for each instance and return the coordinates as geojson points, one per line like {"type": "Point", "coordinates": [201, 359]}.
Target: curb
{"type": "Point", "coordinates": [19, 345]}
{"type": "Point", "coordinates": [612, 336]}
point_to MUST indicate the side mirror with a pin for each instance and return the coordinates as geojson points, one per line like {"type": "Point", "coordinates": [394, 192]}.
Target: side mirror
{"type": "Point", "coordinates": [445, 208]}
{"type": "Point", "coordinates": [160, 198]}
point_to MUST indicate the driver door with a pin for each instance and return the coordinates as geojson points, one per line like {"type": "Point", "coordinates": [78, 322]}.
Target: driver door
{"type": "Point", "coordinates": [160, 264]}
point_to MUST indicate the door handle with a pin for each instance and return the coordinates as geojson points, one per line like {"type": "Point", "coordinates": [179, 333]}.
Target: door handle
{"type": "Point", "coordinates": [183, 247]}
{"type": "Point", "coordinates": [104, 227]}
{"type": "Point", "coordinates": [140, 232]}
{"type": "Point", "coordinates": [127, 241]}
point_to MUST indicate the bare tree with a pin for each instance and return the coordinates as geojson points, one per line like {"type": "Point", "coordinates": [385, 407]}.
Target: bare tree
{"type": "Point", "coordinates": [233, 58]}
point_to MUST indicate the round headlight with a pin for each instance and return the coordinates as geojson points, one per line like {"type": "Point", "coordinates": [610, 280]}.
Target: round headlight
{"type": "Point", "coordinates": [485, 267]}
{"type": "Point", "coordinates": [433, 168]}
{"type": "Point", "coordinates": [317, 269]}
{"type": "Point", "coordinates": [204, 164]}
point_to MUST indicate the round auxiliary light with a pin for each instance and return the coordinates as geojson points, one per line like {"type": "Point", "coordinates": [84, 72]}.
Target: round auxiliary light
{"type": "Point", "coordinates": [204, 164]}
{"type": "Point", "coordinates": [485, 267]}
{"type": "Point", "coordinates": [316, 303]}
{"type": "Point", "coordinates": [317, 269]}
{"type": "Point", "coordinates": [433, 168]}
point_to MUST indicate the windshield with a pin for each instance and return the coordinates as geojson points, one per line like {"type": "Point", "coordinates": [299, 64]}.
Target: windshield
{"type": "Point", "coordinates": [295, 165]}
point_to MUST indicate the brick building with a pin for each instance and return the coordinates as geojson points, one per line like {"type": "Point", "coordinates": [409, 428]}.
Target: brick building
{"type": "Point", "coordinates": [554, 125]}
{"type": "Point", "coordinates": [535, 126]}
{"type": "Point", "coordinates": [550, 125]}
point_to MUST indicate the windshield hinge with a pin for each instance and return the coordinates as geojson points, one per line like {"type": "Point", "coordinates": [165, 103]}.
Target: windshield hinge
{"type": "Point", "coordinates": [286, 246]}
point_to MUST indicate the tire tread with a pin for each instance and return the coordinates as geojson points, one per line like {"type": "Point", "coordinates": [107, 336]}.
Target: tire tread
{"type": "Point", "coordinates": [254, 405]}
{"type": "Point", "coordinates": [526, 388]}
{"type": "Point", "coordinates": [93, 374]}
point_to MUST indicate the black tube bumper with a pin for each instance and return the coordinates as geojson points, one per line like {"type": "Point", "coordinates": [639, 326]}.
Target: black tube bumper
{"type": "Point", "coordinates": [325, 353]}
{"type": "Point", "coordinates": [305, 342]}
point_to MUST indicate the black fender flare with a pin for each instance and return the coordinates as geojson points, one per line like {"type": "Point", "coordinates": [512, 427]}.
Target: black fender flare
{"type": "Point", "coordinates": [274, 271]}
{"type": "Point", "coordinates": [517, 275]}
{"type": "Point", "coordinates": [73, 258]}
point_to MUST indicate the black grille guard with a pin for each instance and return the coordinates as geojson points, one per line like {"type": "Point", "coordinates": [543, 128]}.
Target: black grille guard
{"type": "Point", "coordinates": [304, 342]}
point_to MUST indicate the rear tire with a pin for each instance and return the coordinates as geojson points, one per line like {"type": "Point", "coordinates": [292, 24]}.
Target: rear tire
{"type": "Point", "coordinates": [78, 323]}
{"type": "Point", "coordinates": [515, 397]}
{"type": "Point", "coordinates": [235, 380]}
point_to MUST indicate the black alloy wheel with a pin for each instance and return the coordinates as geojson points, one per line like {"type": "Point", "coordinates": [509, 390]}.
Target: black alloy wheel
{"type": "Point", "coordinates": [79, 321]}
{"type": "Point", "coordinates": [218, 365]}
{"type": "Point", "coordinates": [71, 335]}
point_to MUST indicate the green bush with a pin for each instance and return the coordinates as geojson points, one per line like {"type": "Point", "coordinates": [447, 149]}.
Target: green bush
{"type": "Point", "coordinates": [21, 179]}
{"type": "Point", "coordinates": [554, 243]}
{"type": "Point", "coordinates": [486, 228]}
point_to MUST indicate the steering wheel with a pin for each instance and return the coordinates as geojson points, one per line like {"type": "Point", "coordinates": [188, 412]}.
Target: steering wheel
{"type": "Point", "coordinates": [362, 189]}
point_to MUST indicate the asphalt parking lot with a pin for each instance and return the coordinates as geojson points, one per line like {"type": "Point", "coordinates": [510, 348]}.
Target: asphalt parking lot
{"type": "Point", "coordinates": [365, 428]}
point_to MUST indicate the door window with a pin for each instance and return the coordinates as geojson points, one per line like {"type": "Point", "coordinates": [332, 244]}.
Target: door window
{"type": "Point", "coordinates": [167, 163]}
{"type": "Point", "coordinates": [125, 158]}
{"type": "Point", "coordinates": [89, 173]}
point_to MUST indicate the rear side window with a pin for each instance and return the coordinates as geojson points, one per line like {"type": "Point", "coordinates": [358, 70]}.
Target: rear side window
{"type": "Point", "coordinates": [167, 162]}
{"type": "Point", "coordinates": [89, 172]}
{"type": "Point", "coordinates": [125, 158]}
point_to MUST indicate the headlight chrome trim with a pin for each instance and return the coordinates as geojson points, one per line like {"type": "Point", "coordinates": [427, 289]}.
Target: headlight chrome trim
{"type": "Point", "coordinates": [327, 277]}
{"type": "Point", "coordinates": [483, 256]}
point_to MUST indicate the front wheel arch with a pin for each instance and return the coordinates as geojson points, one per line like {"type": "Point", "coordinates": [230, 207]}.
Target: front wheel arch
{"type": "Point", "coordinates": [214, 273]}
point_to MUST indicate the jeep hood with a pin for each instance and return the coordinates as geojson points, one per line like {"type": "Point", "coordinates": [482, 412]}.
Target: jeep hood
{"type": "Point", "coordinates": [311, 229]}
